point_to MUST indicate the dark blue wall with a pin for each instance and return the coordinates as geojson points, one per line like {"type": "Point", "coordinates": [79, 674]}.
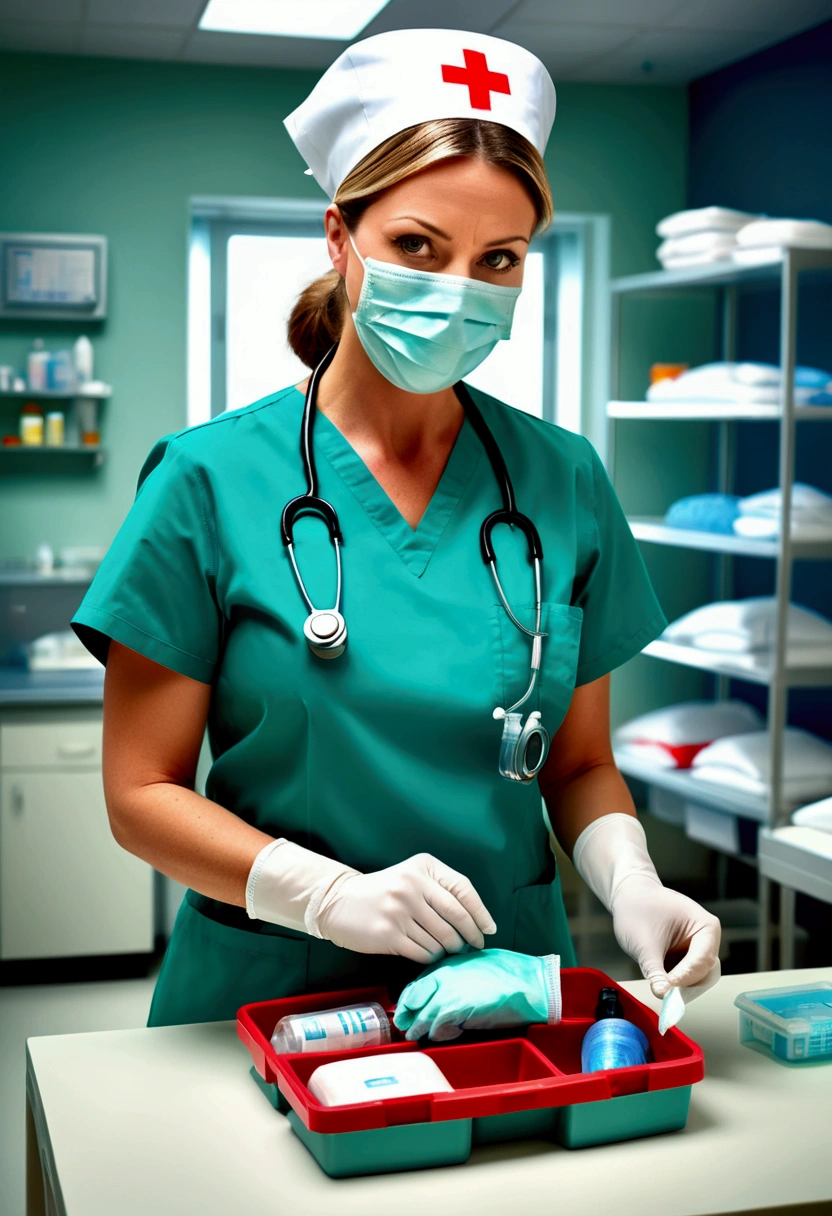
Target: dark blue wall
{"type": "Point", "coordinates": [761, 141]}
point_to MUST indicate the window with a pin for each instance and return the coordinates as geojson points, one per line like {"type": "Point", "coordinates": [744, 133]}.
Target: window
{"type": "Point", "coordinates": [246, 271]}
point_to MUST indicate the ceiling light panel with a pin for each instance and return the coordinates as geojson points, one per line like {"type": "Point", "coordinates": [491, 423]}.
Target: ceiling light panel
{"type": "Point", "coordinates": [333, 19]}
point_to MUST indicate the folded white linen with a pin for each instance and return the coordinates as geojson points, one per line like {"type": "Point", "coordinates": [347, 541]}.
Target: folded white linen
{"type": "Point", "coordinates": [748, 626]}
{"type": "Point", "coordinates": [794, 789]}
{"type": "Point", "coordinates": [696, 243]}
{"type": "Point", "coordinates": [806, 233]}
{"type": "Point", "coordinates": [815, 815]}
{"type": "Point", "coordinates": [742, 761]}
{"type": "Point", "coordinates": [756, 255]}
{"type": "Point", "coordinates": [680, 261]}
{"type": "Point", "coordinates": [807, 502]}
{"type": "Point", "coordinates": [740, 382]}
{"type": "Point", "coordinates": [762, 527]}
{"type": "Point", "coordinates": [703, 219]}
{"type": "Point", "coordinates": [686, 724]}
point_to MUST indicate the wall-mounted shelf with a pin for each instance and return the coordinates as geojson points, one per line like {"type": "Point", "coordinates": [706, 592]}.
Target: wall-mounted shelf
{"type": "Point", "coordinates": [740, 666]}
{"type": "Point", "coordinates": [654, 530]}
{"type": "Point", "coordinates": [47, 394]}
{"type": "Point", "coordinates": [712, 411]}
{"type": "Point", "coordinates": [723, 274]}
{"type": "Point", "coordinates": [94, 452]}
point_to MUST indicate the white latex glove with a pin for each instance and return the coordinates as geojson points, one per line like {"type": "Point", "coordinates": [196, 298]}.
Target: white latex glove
{"type": "Point", "coordinates": [649, 919]}
{"type": "Point", "coordinates": [420, 908]}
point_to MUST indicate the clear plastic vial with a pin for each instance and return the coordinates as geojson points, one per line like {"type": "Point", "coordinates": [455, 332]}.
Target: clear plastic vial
{"type": "Point", "coordinates": [352, 1026]}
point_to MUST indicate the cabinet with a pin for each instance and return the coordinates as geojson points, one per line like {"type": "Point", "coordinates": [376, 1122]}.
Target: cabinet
{"type": "Point", "coordinates": [66, 887]}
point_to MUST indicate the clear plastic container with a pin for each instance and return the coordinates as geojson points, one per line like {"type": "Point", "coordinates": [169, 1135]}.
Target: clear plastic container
{"type": "Point", "coordinates": [344, 1029]}
{"type": "Point", "coordinates": [794, 1023]}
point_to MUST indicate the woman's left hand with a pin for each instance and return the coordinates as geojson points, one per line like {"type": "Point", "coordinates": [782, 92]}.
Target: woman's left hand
{"type": "Point", "coordinates": [652, 922]}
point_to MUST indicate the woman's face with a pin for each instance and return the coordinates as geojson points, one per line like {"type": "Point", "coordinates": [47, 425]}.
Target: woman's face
{"type": "Point", "coordinates": [462, 217]}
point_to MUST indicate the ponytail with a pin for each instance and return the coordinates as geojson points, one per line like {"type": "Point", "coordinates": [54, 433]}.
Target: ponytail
{"type": "Point", "coordinates": [317, 318]}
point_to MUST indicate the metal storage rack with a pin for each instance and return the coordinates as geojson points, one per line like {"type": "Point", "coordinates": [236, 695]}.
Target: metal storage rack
{"type": "Point", "coordinates": [785, 265]}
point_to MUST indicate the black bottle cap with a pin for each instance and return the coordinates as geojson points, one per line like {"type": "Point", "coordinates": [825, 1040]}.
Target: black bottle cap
{"type": "Point", "coordinates": [609, 1004]}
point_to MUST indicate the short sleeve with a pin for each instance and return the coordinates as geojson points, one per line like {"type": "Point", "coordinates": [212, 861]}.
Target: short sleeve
{"type": "Point", "coordinates": [612, 586]}
{"type": "Point", "coordinates": [155, 590]}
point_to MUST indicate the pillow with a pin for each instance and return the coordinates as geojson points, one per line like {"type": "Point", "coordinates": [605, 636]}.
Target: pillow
{"type": "Point", "coordinates": [672, 736]}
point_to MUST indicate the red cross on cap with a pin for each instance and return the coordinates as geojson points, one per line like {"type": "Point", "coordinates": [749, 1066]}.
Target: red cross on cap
{"type": "Point", "coordinates": [476, 75]}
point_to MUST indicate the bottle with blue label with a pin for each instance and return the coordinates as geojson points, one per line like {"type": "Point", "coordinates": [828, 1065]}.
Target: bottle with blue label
{"type": "Point", "coordinates": [344, 1029]}
{"type": "Point", "coordinates": [612, 1041]}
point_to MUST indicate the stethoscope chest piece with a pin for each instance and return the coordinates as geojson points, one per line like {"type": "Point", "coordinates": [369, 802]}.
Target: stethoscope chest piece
{"type": "Point", "coordinates": [326, 632]}
{"type": "Point", "coordinates": [523, 747]}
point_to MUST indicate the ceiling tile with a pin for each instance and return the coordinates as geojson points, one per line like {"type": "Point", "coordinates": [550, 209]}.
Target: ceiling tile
{"type": "Point", "coordinates": [206, 46]}
{"type": "Point", "coordinates": [130, 42]}
{"type": "Point", "coordinates": [179, 13]}
{"type": "Point", "coordinates": [62, 11]}
{"type": "Point", "coordinates": [51, 36]}
{"type": "Point", "coordinates": [481, 15]}
{"type": "Point", "coordinates": [765, 16]}
{"type": "Point", "coordinates": [566, 38]}
{"type": "Point", "coordinates": [674, 60]}
{"type": "Point", "coordinates": [597, 12]}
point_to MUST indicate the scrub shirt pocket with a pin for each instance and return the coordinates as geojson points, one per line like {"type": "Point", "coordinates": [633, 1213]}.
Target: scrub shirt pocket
{"type": "Point", "coordinates": [556, 681]}
{"type": "Point", "coordinates": [210, 969]}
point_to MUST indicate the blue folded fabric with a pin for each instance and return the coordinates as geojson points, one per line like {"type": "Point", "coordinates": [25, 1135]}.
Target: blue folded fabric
{"type": "Point", "coordinates": [704, 513]}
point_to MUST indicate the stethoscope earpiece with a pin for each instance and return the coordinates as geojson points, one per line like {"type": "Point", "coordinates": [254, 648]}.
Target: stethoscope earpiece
{"type": "Point", "coordinates": [524, 746]}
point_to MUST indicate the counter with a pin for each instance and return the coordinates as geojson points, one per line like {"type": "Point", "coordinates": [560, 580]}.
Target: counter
{"type": "Point", "coordinates": [22, 688]}
{"type": "Point", "coordinates": [169, 1121]}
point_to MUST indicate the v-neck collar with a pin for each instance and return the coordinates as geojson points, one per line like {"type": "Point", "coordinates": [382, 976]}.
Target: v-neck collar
{"type": "Point", "coordinates": [415, 546]}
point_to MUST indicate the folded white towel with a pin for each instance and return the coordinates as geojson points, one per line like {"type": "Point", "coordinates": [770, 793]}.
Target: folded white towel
{"type": "Point", "coordinates": [696, 243]}
{"type": "Point", "coordinates": [806, 233]}
{"type": "Point", "coordinates": [748, 626]}
{"type": "Point", "coordinates": [680, 261]}
{"type": "Point", "coordinates": [815, 815]}
{"type": "Point", "coordinates": [691, 722]}
{"type": "Point", "coordinates": [757, 383]}
{"type": "Point", "coordinates": [670, 737]}
{"type": "Point", "coordinates": [703, 219]}
{"type": "Point", "coordinates": [807, 502]}
{"type": "Point", "coordinates": [756, 255]}
{"type": "Point", "coordinates": [742, 761]}
{"type": "Point", "coordinates": [761, 527]}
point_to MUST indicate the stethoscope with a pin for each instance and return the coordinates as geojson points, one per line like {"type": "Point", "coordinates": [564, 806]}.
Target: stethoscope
{"type": "Point", "coordinates": [524, 745]}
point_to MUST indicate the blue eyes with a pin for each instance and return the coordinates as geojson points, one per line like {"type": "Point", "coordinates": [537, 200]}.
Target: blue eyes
{"type": "Point", "coordinates": [411, 246]}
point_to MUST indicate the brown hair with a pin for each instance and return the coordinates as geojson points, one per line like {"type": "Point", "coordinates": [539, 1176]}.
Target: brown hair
{"type": "Point", "coordinates": [317, 317]}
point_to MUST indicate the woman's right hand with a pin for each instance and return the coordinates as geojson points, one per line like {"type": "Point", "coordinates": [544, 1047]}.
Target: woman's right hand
{"type": "Point", "coordinates": [420, 909]}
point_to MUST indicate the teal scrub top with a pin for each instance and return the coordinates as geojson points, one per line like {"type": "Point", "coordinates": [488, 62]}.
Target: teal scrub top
{"type": "Point", "coordinates": [391, 749]}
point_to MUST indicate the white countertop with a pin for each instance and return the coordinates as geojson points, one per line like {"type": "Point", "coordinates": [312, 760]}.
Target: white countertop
{"type": "Point", "coordinates": [168, 1122]}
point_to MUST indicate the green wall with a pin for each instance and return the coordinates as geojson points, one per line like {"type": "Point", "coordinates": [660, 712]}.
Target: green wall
{"type": "Point", "coordinates": [118, 146]}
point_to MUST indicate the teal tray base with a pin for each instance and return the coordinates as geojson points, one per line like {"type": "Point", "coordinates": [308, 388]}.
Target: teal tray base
{"type": "Point", "coordinates": [385, 1150]}
{"type": "Point", "coordinates": [625, 1118]}
{"type": "Point", "coordinates": [272, 1092]}
{"type": "Point", "coordinates": [522, 1125]}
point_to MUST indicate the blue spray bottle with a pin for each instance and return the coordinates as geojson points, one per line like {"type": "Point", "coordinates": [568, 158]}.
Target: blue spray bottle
{"type": "Point", "coordinates": [612, 1041]}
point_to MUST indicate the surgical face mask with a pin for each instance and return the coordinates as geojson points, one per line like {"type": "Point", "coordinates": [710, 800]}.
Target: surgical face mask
{"type": "Point", "coordinates": [424, 331]}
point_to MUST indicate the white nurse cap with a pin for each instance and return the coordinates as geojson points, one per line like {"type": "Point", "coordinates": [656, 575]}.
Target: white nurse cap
{"type": "Point", "coordinates": [392, 81]}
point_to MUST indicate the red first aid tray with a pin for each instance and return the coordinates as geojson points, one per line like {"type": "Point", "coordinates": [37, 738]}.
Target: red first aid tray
{"type": "Point", "coordinates": [528, 1069]}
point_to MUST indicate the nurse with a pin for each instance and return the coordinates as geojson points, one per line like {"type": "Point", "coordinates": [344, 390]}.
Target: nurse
{"type": "Point", "coordinates": [360, 818]}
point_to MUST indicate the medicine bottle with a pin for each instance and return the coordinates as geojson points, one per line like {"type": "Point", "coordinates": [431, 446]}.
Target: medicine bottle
{"type": "Point", "coordinates": [342, 1029]}
{"type": "Point", "coordinates": [612, 1041]}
